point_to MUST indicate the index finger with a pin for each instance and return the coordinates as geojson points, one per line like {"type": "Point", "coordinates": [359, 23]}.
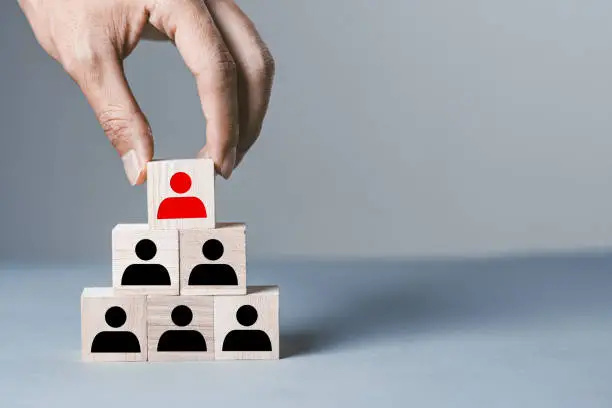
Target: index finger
{"type": "Point", "coordinates": [191, 27]}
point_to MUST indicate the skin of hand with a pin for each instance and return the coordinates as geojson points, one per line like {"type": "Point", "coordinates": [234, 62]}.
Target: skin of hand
{"type": "Point", "coordinates": [231, 64]}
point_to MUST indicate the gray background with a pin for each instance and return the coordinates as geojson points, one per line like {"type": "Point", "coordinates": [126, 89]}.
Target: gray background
{"type": "Point", "coordinates": [397, 128]}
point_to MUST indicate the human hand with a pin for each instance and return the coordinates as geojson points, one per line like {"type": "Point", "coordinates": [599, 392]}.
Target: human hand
{"type": "Point", "coordinates": [231, 64]}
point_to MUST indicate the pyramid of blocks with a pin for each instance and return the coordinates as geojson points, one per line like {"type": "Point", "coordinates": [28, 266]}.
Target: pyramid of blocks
{"type": "Point", "coordinates": [179, 287]}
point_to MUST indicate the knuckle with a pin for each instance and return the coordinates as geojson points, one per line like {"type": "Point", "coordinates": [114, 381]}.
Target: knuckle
{"type": "Point", "coordinates": [116, 125]}
{"type": "Point", "coordinates": [260, 66]}
{"type": "Point", "coordinates": [83, 57]}
{"type": "Point", "coordinates": [269, 64]}
{"type": "Point", "coordinates": [83, 65]}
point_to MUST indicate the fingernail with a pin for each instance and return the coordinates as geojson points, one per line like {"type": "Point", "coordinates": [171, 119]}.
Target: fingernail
{"type": "Point", "coordinates": [227, 167]}
{"type": "Point", "coordinates": [134, 167]}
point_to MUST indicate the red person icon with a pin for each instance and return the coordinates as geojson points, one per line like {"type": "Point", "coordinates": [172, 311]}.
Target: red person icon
{"type": "Point", "coordinates": [181, 207]}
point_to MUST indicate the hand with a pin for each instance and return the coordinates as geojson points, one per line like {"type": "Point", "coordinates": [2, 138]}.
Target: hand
{"type": "Point", "coordinates": [231, 64]}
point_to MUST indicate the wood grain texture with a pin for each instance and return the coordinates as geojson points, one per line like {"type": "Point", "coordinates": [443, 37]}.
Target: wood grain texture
{"type": "Point", "coordinates": [125, 237]}
{"type": "Point", "coordinates": [233, 238]}
{"type": "Point", "coordinates": [265, 300]}
{"type": "Point", "coordinates": [159, 312]}
{"type": "Point", "coordinates": [202, 174]}
{"type": "Point", "coordinates": [95, 302]}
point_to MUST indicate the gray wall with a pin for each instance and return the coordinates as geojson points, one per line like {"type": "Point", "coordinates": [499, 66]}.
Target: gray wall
{"type": "Point", "coordinates": [396, 128]}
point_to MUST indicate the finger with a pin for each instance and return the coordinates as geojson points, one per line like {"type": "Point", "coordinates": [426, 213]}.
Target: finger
{"type": "Point", "coordinates": [191, 27]}
{"type": "Point", "coordinates": [103, 82]}
{"type": "Point", "coordinates": [255, 69]}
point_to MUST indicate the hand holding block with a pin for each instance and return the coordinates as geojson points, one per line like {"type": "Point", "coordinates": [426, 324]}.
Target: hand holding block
{"type": "Point", "coordinates": [181, 194]}
{"type": "Point", "coordinates": [145, 261]}
{"type": "Point", "coordinates": [213, 261]}
{"type": "Point", "coordinates": [113, 327]}
{"type": "Point", "coordinates": [247, 327]}
{"type": "Point", "coordinates": [180, 328]}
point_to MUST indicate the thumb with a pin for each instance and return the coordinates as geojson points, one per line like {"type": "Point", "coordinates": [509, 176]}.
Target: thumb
{"type": "Point", "coordinates": [104, 85]}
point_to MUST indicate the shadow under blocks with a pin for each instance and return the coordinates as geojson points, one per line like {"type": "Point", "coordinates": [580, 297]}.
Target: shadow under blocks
{"type": "Point", "coordinates": [410, 300]}
{"type": "Point", "coordinates": [179, 290]}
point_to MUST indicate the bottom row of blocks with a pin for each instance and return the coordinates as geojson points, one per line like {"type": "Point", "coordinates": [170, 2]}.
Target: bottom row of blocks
{"type": "Point", "coordinates": [164, 328]}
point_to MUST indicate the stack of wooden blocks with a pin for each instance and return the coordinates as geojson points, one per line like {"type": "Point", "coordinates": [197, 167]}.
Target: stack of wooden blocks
{"type": "Point", "coordinates": [179, 282]}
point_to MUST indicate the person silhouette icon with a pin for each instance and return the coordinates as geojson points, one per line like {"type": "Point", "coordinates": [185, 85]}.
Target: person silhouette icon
{"type": "Point", "coordinates": [212, 274]}
{"type": "Point", "coordinates": [181, 340]}
{"type": "Point", "coordinates": [246, 340]}
{"type": "Point", "coordinates": [145, 274]}
{"type": "Point", "coordinates": [115, 341]}
{"type": "Point", "coordinates": [181, 207]}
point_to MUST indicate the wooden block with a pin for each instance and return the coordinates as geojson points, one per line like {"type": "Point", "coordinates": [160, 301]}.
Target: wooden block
{"type": "Point", "coordinates": [213, 261]}
{"type": "Point", "coordinates": [145, 261]}
{"type": "Point", "coordinates": [181, 194]}
{"type": "Point", "coordinates": [180, 328]}
{"type": "Point", "coordinates": [247, 327]}
{"type": "Point", "coordinates": [113, 327]}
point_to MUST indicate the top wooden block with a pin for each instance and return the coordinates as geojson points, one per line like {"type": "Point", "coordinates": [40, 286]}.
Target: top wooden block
{"type": "Point", "coordinates": [181, 194]}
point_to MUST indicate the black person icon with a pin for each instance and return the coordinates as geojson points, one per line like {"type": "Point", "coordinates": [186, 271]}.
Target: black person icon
{"type": "Point", "coordinates": [247, 340]}
{"type": "Point", "coordinates": [115, 341]}
{"type": "Point", "coordinates": [181, 340]}
{"type": "Point", "coordinates": [145, 274]}
{"type": "Point", "coordinates": [212, 274]}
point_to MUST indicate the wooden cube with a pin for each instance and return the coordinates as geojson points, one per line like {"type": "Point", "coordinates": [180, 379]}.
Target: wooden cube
{"type": "Point", "coordinates": [145, 261]}
{"type": "Point", "coordinates": [213, 261]}
{"type": "Point", "coordinates": [181, 194]}
{"type": "Point", "coordinates": [180, 328]}
{"type": "Point", "coordinates": [113, 327]}
{"type": "Point", "coordinates": [247, 327]}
